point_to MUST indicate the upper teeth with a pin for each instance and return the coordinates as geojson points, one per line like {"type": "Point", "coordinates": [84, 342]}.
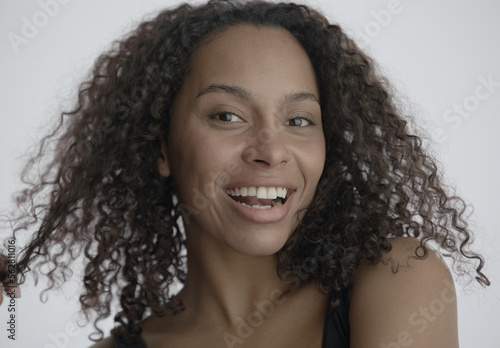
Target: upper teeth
{"type": "Point", "coordinates": [260, 192]}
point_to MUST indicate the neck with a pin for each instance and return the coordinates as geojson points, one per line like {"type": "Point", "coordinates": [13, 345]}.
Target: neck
{"type": "Point", "coordinates": [225, 285]}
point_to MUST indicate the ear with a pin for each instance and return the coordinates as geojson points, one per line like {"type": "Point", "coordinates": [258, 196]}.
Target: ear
{"type": "Point", "coordinates": [163, 167]}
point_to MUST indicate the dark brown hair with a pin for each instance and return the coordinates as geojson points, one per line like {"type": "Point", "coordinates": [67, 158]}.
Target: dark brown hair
{"type": "Point", "coordinates": [102, 198]}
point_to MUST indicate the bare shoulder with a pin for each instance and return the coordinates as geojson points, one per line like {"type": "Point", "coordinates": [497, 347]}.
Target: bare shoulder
{"type": "Point", "coordinates": [105, 343]}
{"type": "Point", "coordinates": [404, 301]}
{"type": "Point", "coordinates": [402, 260]}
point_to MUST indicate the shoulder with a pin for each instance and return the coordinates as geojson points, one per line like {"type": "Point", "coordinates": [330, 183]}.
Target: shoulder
{"type": "Point", "coordinates": [404, 301]}
{"type": "Point", "coordinates": [105, 343]}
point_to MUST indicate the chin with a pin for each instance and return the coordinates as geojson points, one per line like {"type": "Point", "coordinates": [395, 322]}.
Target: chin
{"type": "Point", "coordinates": [262, 242]}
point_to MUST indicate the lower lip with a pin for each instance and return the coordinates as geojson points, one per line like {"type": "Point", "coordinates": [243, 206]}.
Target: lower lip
{"type": "Point", "coordinates": [263, 216]}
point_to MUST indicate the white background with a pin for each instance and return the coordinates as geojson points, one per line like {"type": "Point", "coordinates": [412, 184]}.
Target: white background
{"type": "Point", "coordinates": [434, 53]}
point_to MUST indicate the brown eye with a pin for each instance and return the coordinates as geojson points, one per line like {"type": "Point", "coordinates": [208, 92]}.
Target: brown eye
{"type": "Point", "coordinates": [227, 117]}
{"type": "Point", "coordinates": [299, 122]}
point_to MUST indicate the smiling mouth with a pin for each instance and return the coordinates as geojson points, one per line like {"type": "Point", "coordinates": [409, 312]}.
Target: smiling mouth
{"type": "Point", "coordinates": [259, 197]}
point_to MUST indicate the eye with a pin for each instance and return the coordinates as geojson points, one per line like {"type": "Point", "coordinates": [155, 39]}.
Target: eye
{"type": "Point", "coordinates": [227, 117]}
{"type": "Point", "coordinates": [300, 122]}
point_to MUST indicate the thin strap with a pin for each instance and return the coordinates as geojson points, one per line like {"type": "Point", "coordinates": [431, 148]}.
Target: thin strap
{"type": "Point", "coordinates": [120, 344]}
{"type": "Point", "coordinates": [336, 331]}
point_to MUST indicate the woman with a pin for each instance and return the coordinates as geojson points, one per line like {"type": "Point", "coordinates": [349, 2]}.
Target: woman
{"type": "Point", "coordinates": [306, 204]}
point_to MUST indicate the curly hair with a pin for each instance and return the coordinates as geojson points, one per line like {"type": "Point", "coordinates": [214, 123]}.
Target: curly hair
{"type": "Point", "coordinates": [101, 197]}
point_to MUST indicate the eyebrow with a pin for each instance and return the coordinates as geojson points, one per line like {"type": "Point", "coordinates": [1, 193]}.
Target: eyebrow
{"type": "Point", "coordinates": [245, 95]}
{"type": "Point", "coordinates": [300, 96]}
{"type": "Point", "coordinates": [232, 90]}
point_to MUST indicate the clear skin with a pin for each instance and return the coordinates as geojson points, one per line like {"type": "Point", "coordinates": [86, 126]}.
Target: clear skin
{"type": "Point", "coordinates": [257, 142]}
{"type": "Point", "coordinates": [231, 256]}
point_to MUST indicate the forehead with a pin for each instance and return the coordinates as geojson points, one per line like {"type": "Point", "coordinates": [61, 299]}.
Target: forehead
{"type": "Point", "coordinates": [252, 55]}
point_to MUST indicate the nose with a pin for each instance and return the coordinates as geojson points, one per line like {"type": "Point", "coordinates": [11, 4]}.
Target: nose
{"type": "Point", "coordinates": [267, 149]}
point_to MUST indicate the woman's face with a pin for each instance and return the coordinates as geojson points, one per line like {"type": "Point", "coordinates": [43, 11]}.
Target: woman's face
{"type": "Point", "coordinates": [246, 129]}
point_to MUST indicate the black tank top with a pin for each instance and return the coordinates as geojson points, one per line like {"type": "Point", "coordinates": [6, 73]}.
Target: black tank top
{"type": "Point", "coordinates": [336, 331]}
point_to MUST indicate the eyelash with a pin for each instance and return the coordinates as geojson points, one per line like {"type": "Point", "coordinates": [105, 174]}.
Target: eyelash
{"type": "Point", "coordinates": [217, 114]}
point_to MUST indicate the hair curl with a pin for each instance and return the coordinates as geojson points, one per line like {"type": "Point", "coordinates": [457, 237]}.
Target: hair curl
{"type": "Point", "coordinates": [101, 194]}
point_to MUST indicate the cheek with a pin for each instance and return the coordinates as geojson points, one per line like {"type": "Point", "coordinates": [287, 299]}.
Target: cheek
{"type": "Point", "coordinates": [321, 162]}
{"type": "Point", "coordinates": [201, 164]}
{"type": "Point", "coordinates": [314, 155]}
